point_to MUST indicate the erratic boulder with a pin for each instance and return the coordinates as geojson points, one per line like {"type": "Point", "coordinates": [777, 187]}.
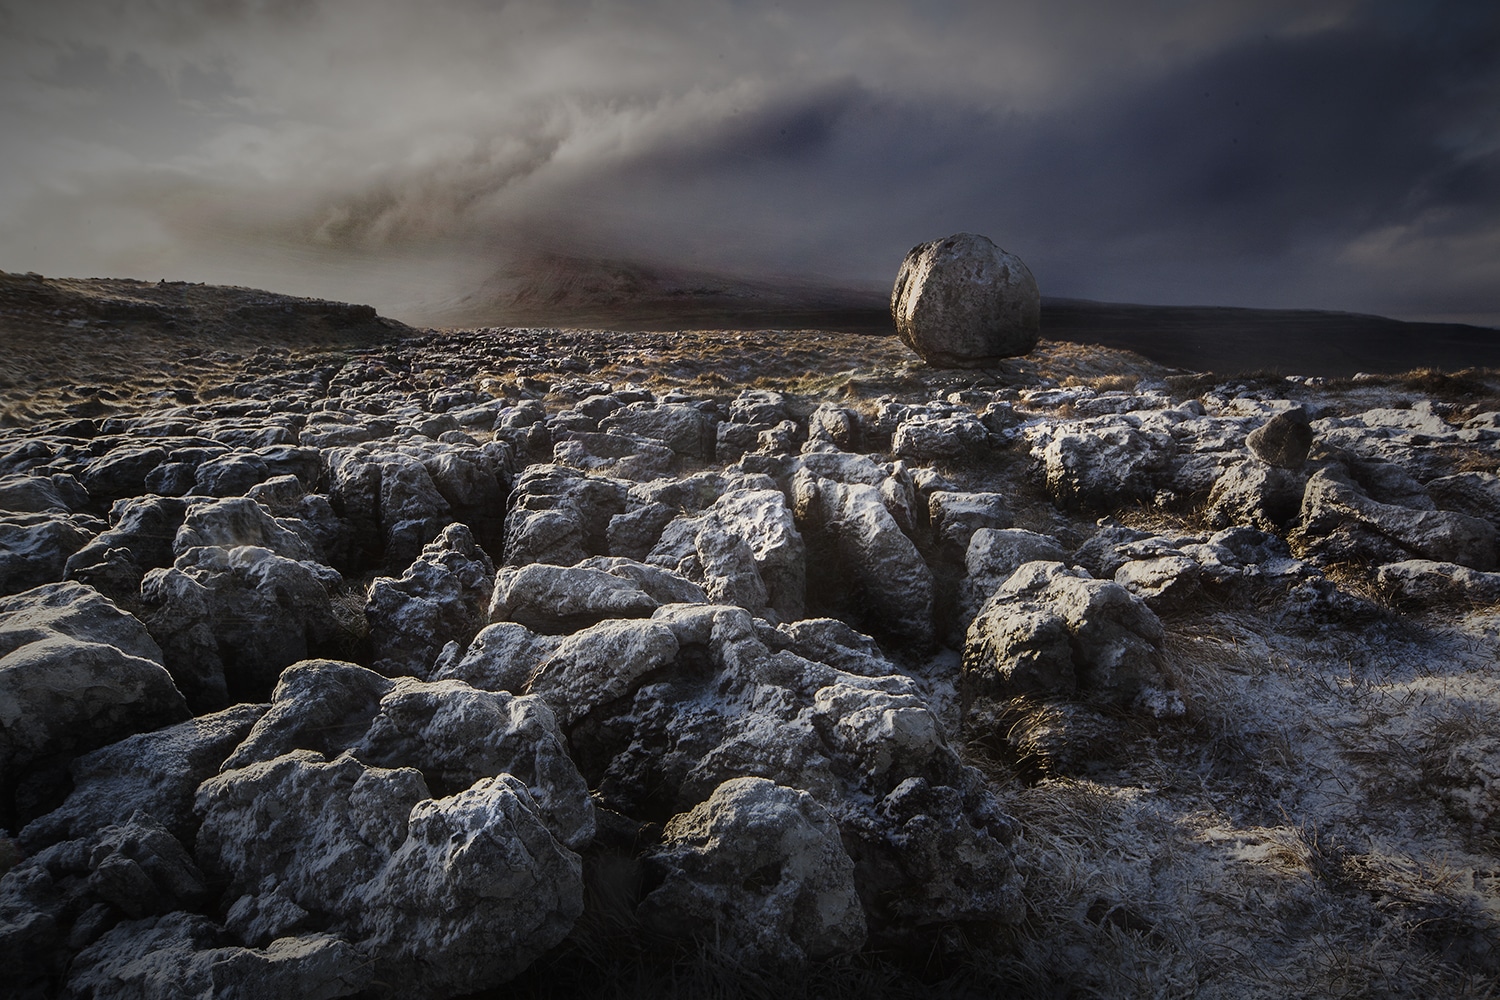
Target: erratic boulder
{"type": "Point", "coordinates": [962, 302]}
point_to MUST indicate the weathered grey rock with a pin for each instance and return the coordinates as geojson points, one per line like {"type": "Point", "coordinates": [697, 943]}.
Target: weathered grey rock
{"type": "Point", "coordinates": [1425, 581]}
{"type": "Point", "coordinates": [172, 479]}
{"type": "Point", "coordinates": [230, 475]}
{"type": "Point", "coordinates": [230, 620]}
{"type": "Point", "coordinates": [156, 772]}
{"type": "Point", "coordinates": [745, 549]}
{"type": "Point", "coordinates": [893, 481]}
{"type": "Point", "coordinates": [1049, 630]}
{"type": "Point", "coordinates": [61, 898]}
{"type": "Point", "coordinates": [691, 494]}
{"type": "Point", "coordinates": [140, 539]}
{"type": "Point", "coordinates": [669, 730]}
{"type": "Point", "coordinates": [1388, 482]}
{"type": "Point", "coordinates": [784, 438]}
{"type": "Point", "coordinates": [1166, 582]}
{"type": "Point", "coordinates": [956, 516]}
{"type": "Point", "coordinates": [476, 868]}
{"type": "Point", "coordinates": [599, 664]}
{"type": "Point", "coordinates": [1248, 556]}
{"type": "Point", "coordinates": [1474, 493]}
{"type": "Point", "coordinates": [830, 641]}
{"type": "Point", "coordinates": [442, 597]}
{"type": "Point", "coordinates": [635, 533]}
{"type": "Point", "coordinates": [1113, 545]}
{"type": "Point", "coordinates": [686, 430]}
{"type": "Point", "coordinates": [939, 439]}
{"type": "Point", "coordinates": [1101, 463]}
{"type": "Point", "coordinates": [456, 735]}
{"type": "Point", "coordinates": [139, 868]}
{"type": "Point", "coordinates": [334, 429]}
{"type": "Point", "coordinates": [58, 493]}
{"type": "Point", "coordinates": [310, 515]}
{"type": "Point", "coordinates": [733, 440]}
{"type": "Point", "coordinates": [962, 302]}
{"type": "Point", "coordinates": [502, 657]}
{"type": "Point", "coordinates": [474, 480]}
{"type": "Point", "coordinates": [185, 955]}
{"type": "Point", "coordinates": [389, 500]}
{"type": "Point", "coordinates": [599, 405]}
{"type": "Point", "coordinates": [758, 406]}
{"type": "Point", "coordinates": [237, 521]}
{"type": "Point", "coordinates": [618, 454]}
{"type": "Point", "coordinates": [423, 887]}
{"type": "Point", "coordinates": [319, 705]}
{"type": "Point", "coordinates": [76, 673]}
{"type": "Point", "coordinates": [560, 516]}
{"type": "Point", "coordinates": [557, 599]}
{"type": "Point", "coordinates": [832, 424]}
{"type": "Point", "coordinates": [992, 556]}
{"type": "Point", "coordinates": [663, 585]}
{"type": "Point", "coordinates": [881, 573]}
{"type": "Point", "coordinates": [1255, 494]}
{"type": "Point", "coordinates": [1283, 441]}
{"type": "Point", "coordinates": [1339, 522]}
{"type": "Point", "coordinates": [759, 869]}
{"type": "Point", "coordinates": [35, 547]}
{"type": "Point", "coordinates": [121, 472]}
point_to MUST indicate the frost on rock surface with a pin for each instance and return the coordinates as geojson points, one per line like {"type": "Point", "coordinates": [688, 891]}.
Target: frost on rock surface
{"type": "Point", "coordinates": [424, 887]}
{"type": "Point", "coordinates": [759, 868]}
{"type": "Point", "coordinates": [229, 620]}
{"type": "Point", "coordinates": [663, 715]}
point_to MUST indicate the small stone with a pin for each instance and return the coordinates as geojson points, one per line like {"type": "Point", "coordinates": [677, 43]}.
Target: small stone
{"type": "Point", "coordinates": [1283, 440]}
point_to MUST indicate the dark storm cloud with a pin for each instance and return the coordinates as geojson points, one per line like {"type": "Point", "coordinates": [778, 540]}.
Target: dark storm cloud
{"type": "Point", "coordinates": [1336, 154]}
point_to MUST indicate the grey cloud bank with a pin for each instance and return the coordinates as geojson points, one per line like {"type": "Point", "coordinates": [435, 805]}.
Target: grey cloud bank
{"type": "Point", "coordinates": [1333, 154]}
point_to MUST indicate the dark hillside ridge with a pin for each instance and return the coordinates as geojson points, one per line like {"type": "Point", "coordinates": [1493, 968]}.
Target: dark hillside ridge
{"type": "Point", "coordinates": [1195, 338]}
{"type": "Point", "coordinates": [35, 306]}
{"type": "Point", "coordinates": [1289, 341]}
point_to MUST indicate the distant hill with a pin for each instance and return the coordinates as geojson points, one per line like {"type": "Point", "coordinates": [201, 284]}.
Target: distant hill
{"type": "Point", "coordinates": [89, 329]}
{"type": "Point", "coordinates": [1290, 341]}
{"type": "Point", "coordinates": [550, 289]}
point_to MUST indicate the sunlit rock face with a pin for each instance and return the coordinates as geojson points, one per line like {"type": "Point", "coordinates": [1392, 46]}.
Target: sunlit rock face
{"type": "Point", "coordinates": [963, 302]}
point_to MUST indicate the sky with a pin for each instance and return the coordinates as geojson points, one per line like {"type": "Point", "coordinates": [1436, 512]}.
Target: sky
{"type": "Point", "coordinates": [1335, 154]}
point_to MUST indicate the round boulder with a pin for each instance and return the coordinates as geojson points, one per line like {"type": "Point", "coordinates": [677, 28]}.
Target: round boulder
{"type": "Point", "coordinates": [963, 302]}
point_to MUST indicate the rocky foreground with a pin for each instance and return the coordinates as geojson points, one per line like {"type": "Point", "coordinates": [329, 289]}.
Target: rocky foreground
{"type": "Point", "coordinates": [655, 663]}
